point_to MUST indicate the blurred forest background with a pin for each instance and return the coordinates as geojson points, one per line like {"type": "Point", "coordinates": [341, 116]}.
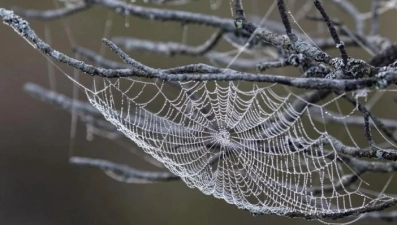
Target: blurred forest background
{"type": "Point", "coordinates": [39, 186]}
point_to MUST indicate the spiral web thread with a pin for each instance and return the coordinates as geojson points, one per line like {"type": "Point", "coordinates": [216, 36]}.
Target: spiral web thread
{"type": "Point", "coordinates": [249, 146]}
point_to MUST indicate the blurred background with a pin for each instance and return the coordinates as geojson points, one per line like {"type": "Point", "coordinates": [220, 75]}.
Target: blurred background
{"type": "Point", "coordinates": [39, 186]}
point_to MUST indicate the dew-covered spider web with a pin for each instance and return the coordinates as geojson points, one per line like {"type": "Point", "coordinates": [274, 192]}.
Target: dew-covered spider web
{"type": "Point", "coordinates": [250, 146]}
{"type": "Point", "coordinates": [264, 148]}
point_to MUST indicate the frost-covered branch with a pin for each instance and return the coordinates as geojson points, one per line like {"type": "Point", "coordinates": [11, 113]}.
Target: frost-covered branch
{"type": "Point", "coordinates": [86, 112]}
{"type": "Point", "coordinates": [124, 172]}
{"type": "Point", "coordinates": [386, 75]}
{"type": "Point", "coordinates": [123, 8]}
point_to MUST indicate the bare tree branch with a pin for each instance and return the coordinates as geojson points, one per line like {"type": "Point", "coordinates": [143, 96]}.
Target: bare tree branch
{"type": "Point", "coordinates": [126, 172]}
{"type": "Point", "coordinates": [206, 72]}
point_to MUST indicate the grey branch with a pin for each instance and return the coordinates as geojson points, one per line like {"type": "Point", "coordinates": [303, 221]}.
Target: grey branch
{"type": "Point", "coordinates": [332, 117]}
{"type": "Point", "coordinates": [171, 48]}
{"type": "Point", "coordinates": [201, 71]}
{"type": "Point", "coordinates": [124, 8]}
{"type": "Point", "coordinates": [126, 172]}
{"type": "Point", "coordinates": [87, 113]}
{"type": "Point", "coordinates": [389, 154]}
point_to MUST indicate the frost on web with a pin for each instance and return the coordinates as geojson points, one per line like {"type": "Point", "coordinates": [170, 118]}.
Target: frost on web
{"type": "Point", "coordinates": [246, 144]}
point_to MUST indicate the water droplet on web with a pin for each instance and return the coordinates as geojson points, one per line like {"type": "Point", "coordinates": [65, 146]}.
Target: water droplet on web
{"type": "Point", "coordinates": [127, 19]}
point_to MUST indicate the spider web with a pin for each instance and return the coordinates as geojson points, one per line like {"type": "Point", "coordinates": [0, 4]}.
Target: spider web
{"type": "Point", "coordinates": [249, 144]}
{"type": "Point", "coordinates": [250, 147]}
